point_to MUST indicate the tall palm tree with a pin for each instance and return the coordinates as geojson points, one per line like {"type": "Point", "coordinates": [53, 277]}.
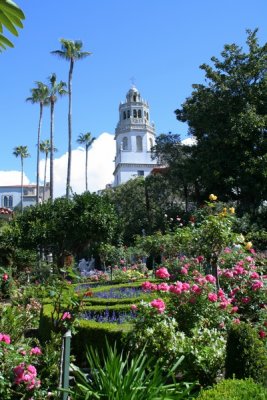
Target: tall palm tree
{"type": "Point", "coordinates": [22, 152]}
{"type": "Point", "coordinates": [71, 50]}
{"type": "Point", "coordinates": [39, 95]}
{"type": "Point", "coordinates": [55, 89]}
{"type": "Point", "coordinates": [87, 140]}
{"type": "Point", "coordinates": [45, 148]}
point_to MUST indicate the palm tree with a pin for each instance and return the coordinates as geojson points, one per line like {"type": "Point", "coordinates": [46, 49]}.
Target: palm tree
{"type": "Point", "coordinates": [11, 17]}
{"type": "Point", "coordinates": [39, 95]}
{"type": "Point", "coordinates": [22, 152]}
{"type": "Point", "coordinates": [55, 89]}
{"type": "Point", "coordinates": [85, 138]}
{"type": "Point", "coordinates": [45, 148]}
{"type": "Point", "coordinates": [71, 50]}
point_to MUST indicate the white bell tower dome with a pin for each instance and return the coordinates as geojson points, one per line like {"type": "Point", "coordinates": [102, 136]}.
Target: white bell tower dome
{"type": "Point", "coordinates": [135, 136]}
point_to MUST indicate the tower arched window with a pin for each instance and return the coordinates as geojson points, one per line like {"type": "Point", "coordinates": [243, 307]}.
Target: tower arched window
{"type": "Point", "coordinates": [124, 114]}
{"type": "Point", "coordinates": [125, 143]}
{"type": "Point", "coordinates": [139, 143]}
{"type": "Point", "coordinates": [134, 97]}
{"type": "Point", "coordinates": [134, 113]}
{"type": "Point", "coordinates": [139, 114]}
{"type": "Point", "coordinates": [128, 113]}
{"type": "Point", "coordinates": [150, 143]}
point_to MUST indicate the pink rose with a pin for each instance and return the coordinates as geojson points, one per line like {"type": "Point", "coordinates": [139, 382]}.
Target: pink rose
{"type": "Point", "coordinates": [234, 309]}
{"type": "Point", "coordinates": [162, 273]}
{"type": "Point", "coordinates": [36, 350]}
{"type": "Point", "coordinates": [163, 286]}
{"type": "Point", "coordinates": [146, 285]}
{"type": "Point", "coordinates": [5, 277]}
{"type": "Point", "coordinates": [254, 275]}
{"type": "Point", "coordinates": [66, 315]}
{"type": "Point", "coordinates": [184, 271]}
{"type": "Point", "coordinates": [262, 334]}
{"type": "Point", "coordinates": [196, 289]}
{"type": "Point", "coordinates": [133, 307]}
{"type": "Point", "coordinates": [5, 338]}
{"type": "Point", "coordinates": [159, 304]}
{"type": "Point", "coordinates": [212, 297]}
{"type": "Point", "coordinates": [257, 285]}
{"type": "Point", "coordinates": [210, 278]}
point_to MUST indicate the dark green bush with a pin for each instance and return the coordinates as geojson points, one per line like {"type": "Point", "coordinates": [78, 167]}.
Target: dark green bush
{"type": "Point", "coordinates": [234, 389]}
{"type": "Point", "coordinates": [246, 355]}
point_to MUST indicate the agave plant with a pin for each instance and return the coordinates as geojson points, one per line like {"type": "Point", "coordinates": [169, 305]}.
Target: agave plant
{"type": "Point", "coordinates": [116, 376]}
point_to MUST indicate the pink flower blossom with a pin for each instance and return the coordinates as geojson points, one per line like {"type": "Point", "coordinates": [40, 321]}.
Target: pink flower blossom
{"type": "Point", "coordinates": [5, 338]}
{"type": "Point", "coordinates": [163, 286]}
{"type": "Point", "coordinates": [236, 321]}
{"type": "Point", "coordinates": [200, 259]}
{"type": "Point", "coordinates": [159, 304]}
{"type": "Point", "coordinates": [239, 270]}
{"type": "Point", "coordinates": [212, 297]}
{"type": "Point", "coordinates": [36, 351]}
{"type": "Point", "coordinates": [228, 274]}
{"type": "Point", "coordinates": [262, 334]}
{"type": "Point", "coordinates": [162, 273]}
{"type": "Point", "coordinates": [184, 271]}
{"type": "Point", "coordinates": [133, 307]}
{"type": "Point", "coordinates": [227, 250]}
{"type": "Point", "coordinates": [210, 278]}
{"type": "Point", "coordinates": [245, 300]}
{"type": "Point", "coordinates": [66, 315]}
{"type": "Point", "coordinates": [185, 286]}
{"type": "Point", "coordinates": [254, 275]}
{"type": "Point", "coordinates": [196, 289]}
{"type": "Point", "coordinates": [5, 277]}
{"type": "Point", "coordinates": [257, 285]}
{"type": "Point", "coordinates": [223, 304]}
{"type": "Point", "coordinates": [221, 294]}
{"type": "Point", "coordinates": [234, 310]}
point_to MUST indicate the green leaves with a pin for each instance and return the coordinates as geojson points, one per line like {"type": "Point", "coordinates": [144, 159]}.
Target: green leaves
{"type": "Point", "coordinates": [122, 377]}
{"type": "Point", "coordinates": [11, 17]}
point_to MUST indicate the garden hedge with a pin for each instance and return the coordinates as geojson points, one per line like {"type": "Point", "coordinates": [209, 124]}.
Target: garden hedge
{"type": "Point", "coordinates": [234, 389]}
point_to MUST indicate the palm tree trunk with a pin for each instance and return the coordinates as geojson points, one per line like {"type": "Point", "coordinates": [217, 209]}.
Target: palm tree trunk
{"type": "Point", "coordinates": [38, 154]}
{"type": "Point", "coordinates": [86, 168]}
{"type": "Point", "coordinates": [52, 152]}
{"type": "Point", "coordinates": [21, 183]}
{"type": "Point", "coordinates": [70, 129]}
{"type": "Point", "coordinates": [46, 155]}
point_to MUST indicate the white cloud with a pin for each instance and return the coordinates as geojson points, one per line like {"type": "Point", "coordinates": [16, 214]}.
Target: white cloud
{"type": "Point", "coordinates": [100, 166]}
{"type": "Point", "coordinates": [189, 141]}
{"type": "Point", "coordinates": [9, 178]}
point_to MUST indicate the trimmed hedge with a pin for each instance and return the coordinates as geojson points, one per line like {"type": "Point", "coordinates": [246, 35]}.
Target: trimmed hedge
{"type": "Point", "coordinates": [234, 389]}
{"type": "Point", "coordinates": [246, 355]}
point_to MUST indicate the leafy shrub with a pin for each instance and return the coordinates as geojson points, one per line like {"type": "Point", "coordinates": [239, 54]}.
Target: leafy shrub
{"type": "Point", "coordinates": [234, 389]}
{"type": "Point", "coordinates": [246, 356]}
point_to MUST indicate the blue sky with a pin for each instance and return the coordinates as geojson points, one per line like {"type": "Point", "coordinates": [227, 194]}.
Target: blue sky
{"type": "Point", "coordinates": [159, 43]}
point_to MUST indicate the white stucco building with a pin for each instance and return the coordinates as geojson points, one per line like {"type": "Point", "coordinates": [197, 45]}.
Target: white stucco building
{"type": "Point", "coordinates": [135, 136]}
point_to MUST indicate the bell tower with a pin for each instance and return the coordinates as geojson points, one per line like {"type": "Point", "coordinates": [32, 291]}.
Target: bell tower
{"type": "Point", "coordinates": [135, 136]}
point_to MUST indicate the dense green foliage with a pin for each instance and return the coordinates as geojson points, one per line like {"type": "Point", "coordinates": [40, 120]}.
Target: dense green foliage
{"type": "Point", "coordinates": [246, 356]}
{"type": "Point", "coordinates": [65, 226]}
{"type": "Point", "coordinates": [234, 389]}
{"type": "Point", "coordinates": [228, 117]}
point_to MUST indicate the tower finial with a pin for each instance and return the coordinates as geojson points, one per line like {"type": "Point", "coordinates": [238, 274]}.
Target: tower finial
{"type": "Point", "coordinates": [132, 79]}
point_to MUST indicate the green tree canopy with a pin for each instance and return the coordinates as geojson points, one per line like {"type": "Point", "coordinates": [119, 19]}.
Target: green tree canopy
{"type": "Point", "coordinates": [228, 117]}
{"type": "Point", "coordinates": [65, 226]}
